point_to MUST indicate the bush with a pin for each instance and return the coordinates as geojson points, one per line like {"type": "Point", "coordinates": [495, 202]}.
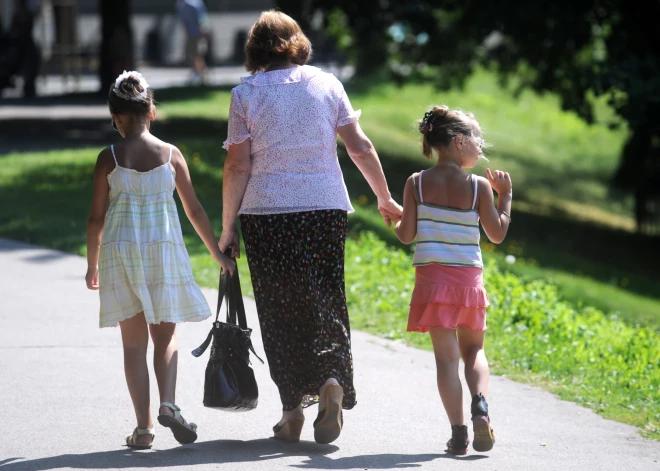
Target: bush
{"type": "Point", "coordinates": [533, 335]}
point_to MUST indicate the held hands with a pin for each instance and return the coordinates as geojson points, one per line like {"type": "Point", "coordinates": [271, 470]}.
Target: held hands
{"type": "Point", "coordinates": [229, 238]}
{"type": "Point", "coordinates": [390, 210]}
{"type": "Point", "coordinates": [226, 263]}
{"type": "Point", "coordinates": [500, 181]}
{"type": "Point", "coordinates": [92, 278]}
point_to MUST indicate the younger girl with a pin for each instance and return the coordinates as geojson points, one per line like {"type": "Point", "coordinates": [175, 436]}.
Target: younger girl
{"type": "Point", "coordinates": [442, 207]}
{"type": "Point", "coordinates": [136, 256]}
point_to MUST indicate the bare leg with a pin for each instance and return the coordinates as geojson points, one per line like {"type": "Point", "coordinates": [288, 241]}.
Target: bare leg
{"type": "Point", "coordinates": [135, 338]}
{"type": "Point", "coordinates": [445, 347]}
{"type": "Point", "coordinates": [166, 356]}
{"type": "Point", "coordinates": [471, 344]}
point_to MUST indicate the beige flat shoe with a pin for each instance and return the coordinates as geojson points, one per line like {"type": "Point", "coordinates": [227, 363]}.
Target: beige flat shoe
{"type": "Point", "coordinates": [328, 424]}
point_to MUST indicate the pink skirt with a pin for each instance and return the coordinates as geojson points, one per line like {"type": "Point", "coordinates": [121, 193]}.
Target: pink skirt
{"type": "Point", "coordinates": [448, 298]}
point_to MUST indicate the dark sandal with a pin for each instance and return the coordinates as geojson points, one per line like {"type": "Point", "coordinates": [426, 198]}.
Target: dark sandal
{"type": "Point", "coordinates": [289, 431]}
{"type": "Point", "coordinates": [132, 440]}
{"type": "Point", "coordinates": [459, 441]}
{"type": "Point", "coordinates": [328, 424]}
{"type": "Point", "coordinates": [484, 437]}
{"type": "Point", "coordinates": [183, 431]}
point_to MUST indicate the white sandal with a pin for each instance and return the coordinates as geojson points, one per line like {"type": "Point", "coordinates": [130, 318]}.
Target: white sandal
{"type": "Point", "coordinates": [132, 440]}
{"type": "Point", "coordinates": [183, 431]}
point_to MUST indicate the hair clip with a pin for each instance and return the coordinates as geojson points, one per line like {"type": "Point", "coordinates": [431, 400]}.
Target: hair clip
{"type": "Point", "coordinates": [141, 80]}
{"type": "Point", "coordinates": [429, 119]}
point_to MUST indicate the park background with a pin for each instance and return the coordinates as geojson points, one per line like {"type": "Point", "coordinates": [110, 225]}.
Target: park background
{"type": "Point", "coordinates": [568, 96]}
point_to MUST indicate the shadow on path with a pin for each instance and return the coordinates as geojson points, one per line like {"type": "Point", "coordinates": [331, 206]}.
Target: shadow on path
{"type": "Point", "coordinates": [222, 452]}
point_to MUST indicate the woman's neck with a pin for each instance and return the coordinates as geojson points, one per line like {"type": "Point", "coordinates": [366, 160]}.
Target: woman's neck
{"type": "Point", "coordinates": [280, 66]}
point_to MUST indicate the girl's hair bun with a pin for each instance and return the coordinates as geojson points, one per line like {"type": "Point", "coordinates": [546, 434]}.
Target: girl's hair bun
{"type": "Point", "coordinates": [440, 125]}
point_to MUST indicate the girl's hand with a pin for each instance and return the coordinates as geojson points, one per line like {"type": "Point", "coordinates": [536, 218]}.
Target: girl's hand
{"type": "Point", "coordinates": [226, 263]}
{"type": "Point", "coordinates": [92, 278]}
{"type": "Point", "coordinates": [500, 181]}
{"type": "Point", "coordinates": [390, 210]}
{"type": "Point", "coordinates": [229, 238]}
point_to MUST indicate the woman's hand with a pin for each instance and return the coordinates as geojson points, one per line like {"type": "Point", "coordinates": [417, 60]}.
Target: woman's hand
{"type": "Point", "coordinates": [390, 210]}
{"type": "Point", "coordinates": [92, 278]}
{"type": "Point", "coordinates": [230, 238]}
{"type": "Point", "coordinates": [500, 181]}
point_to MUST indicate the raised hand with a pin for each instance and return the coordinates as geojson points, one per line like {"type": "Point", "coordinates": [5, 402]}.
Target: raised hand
{"type": "Point", "coordinates": [500, 181]}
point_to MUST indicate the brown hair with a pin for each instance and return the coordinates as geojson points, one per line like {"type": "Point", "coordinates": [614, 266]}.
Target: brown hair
{"type": "Point", "coordinates": [275, 37]}
{"type": "Point", "coordinates": [440, 125]}
{"type": "Point", "coordinates": [130, 87]}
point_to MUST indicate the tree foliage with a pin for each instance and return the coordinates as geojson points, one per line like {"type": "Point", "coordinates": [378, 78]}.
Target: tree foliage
{"type": "Point", "coordinates": [578, 49]}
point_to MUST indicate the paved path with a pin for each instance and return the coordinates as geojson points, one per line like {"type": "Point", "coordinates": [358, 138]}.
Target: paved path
{"type": "Point", "coordinates": [65, 404]}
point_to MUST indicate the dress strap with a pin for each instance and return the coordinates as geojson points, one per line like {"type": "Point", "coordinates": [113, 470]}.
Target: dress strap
{"type": "Point", "coordinates": [421, 198]}
{"type": "Point", "coordinates": [170, 159]}
{"type": "Point", "coordinates": [416, 190]}
{"type": "Point", "coordinates": [112, 148]}
{"type": "Point", "coordinates": [474, 201]}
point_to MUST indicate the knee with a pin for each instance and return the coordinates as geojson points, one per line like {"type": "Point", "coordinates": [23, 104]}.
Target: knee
{"type": "Point", "coordinates": [471, 353]}
{"type": "Point", "coordinates": [136, 349]}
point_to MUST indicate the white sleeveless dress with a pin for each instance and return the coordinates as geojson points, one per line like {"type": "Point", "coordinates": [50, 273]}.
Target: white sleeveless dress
{"type": "Point", "coordinates": [143, 261]}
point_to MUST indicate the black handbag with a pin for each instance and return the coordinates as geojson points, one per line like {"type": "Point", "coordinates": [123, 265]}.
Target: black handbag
{"type": "Point", "coordinates": [229, 382]}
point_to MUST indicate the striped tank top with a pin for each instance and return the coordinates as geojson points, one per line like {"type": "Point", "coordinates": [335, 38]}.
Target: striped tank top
{"type": "Point", "coordinates": [447, 236]}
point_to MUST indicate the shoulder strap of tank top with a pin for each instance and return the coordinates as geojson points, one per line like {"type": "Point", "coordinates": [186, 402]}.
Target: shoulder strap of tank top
{"type": "Point", "coordinates": [170, 159]}
{"type": "Point", "coordinates": [416, 190]}
{"type": "Point", "coordinates": [421, 198]}
{"type": "Point", "coordinates": [474, 201]}
{"type": "Point", "coordinates": [112, 148]}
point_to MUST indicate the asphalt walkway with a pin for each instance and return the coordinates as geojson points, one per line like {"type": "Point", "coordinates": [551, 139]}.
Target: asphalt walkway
{"type": "Point", "coordinates": [65, 405]}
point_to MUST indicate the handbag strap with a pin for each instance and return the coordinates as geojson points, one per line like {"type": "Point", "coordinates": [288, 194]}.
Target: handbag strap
{"type": "Point", "coordinates": [229, 289]}
{"type": "Point", "coordinates": [236, 305]}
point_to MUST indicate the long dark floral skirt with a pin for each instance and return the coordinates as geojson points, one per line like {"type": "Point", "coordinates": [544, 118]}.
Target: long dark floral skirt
{"type": "Point", "coordinates": [296, 262]}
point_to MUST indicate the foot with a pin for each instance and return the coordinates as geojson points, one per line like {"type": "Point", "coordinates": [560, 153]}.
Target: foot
{"type": "Point", "coordinates": [141, 438]}
{"type": "Point", "coordinates": [484, 436]}
{"type": "Point", "coordinates": [291, 415]}
{"type": "Point", "coordinates": [170, 417]}
{"type": "Point", "coordinates": [458, 443]}
{"type": "Point", "coordinates": [330, 421]}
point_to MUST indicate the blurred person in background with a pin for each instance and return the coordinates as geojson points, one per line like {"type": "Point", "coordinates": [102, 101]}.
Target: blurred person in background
{"type": "Point", "coordinates": [18, 52]}
{"type": "Point", "coordinates": [194, 16]}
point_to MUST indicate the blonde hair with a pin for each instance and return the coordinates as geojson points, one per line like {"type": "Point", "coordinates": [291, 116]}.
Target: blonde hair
{"type": "Point", "coordinates": [274, 38]}
{"type": "Point", "coordinates": [440, 125]}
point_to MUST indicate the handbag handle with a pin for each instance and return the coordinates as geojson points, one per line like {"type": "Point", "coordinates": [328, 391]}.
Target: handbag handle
{"type": "Point", "coordinates": [229, 289]}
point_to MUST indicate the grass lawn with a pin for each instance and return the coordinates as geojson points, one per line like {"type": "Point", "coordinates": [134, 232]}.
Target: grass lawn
{"type": "Point", "coordinates": [568, 229]}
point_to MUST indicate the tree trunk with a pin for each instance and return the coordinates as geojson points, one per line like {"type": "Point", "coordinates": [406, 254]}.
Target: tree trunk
{"type": "Point", "coordinates": [116, 53]}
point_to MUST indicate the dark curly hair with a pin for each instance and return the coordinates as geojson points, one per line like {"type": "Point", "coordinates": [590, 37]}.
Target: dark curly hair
{"type": "Point", "coordinates": [440, 125]}
{"type": "Point", "coordinates": [275, 38]}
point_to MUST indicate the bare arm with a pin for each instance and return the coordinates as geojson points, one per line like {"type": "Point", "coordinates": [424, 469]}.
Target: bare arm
{"type": "Point", "coordinates": [234, 182]}
{"type": "Point", "coordinates": [494, 220]}
{"type": "Point", "coordinates": [363, 153]}
{"type": "Point", "coordinates": [96, 219]}
{"type": "Point", "coordinates": [406, 228]}
{"type": "Point", "coordinates": [195, 212]}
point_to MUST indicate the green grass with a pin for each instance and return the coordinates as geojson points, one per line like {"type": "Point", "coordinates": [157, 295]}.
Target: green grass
{"type": "Point", "coordinates": [533, 335]}
{"type": "Point", "coordinates": [566, 218]}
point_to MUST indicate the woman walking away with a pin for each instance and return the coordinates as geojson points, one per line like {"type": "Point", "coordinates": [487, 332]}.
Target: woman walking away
{"type": "Point", "coordinates": [442, 207]}
{"type": "Point", "coordinates": [136, 255]}
{"type": "Point", "coordinates": [282, 176]}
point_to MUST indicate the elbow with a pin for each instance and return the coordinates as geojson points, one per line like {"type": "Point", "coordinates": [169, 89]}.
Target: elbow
{"type": "Point", "coordinates": [497, 240]}
{"type": "Point", "coordinates": [406, 239]}
{"type": "Point", "coordinates": [363, 150]}
{"type": "Point", "coordinates": [239, 168]}
{"type": "Point", "coordinates": [95, 223]}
